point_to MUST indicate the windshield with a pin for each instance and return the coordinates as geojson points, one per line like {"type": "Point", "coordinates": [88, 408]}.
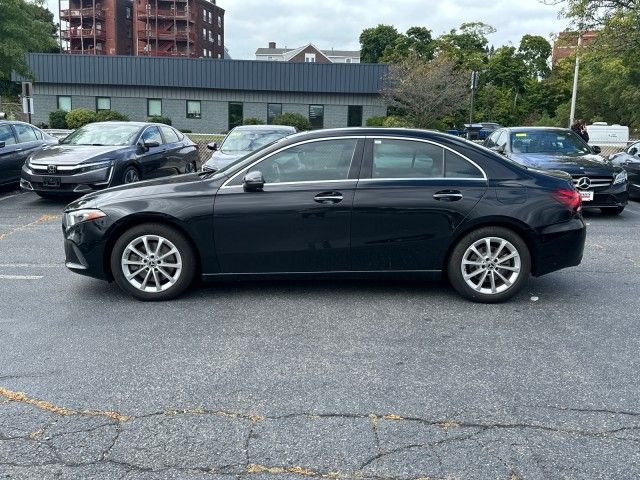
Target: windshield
{"type": "Point", "coordinates": [249, 140]}
{"type": "Point", "coordinates": [103, 135]}
{"type": "Point", "coordinates": [548, 141]}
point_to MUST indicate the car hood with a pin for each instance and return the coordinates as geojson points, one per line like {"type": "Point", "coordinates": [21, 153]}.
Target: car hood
{"type": "Point", "coordinates": [581, 165]}
{"type": "Point", "coordinates": [221, 159]}
{"type": "Point", "coordinates": [75, 154]}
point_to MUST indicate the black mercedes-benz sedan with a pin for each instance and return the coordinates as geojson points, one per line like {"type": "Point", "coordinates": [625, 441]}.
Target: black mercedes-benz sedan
{"type": "Point", "coordinates": [600, 183]}
{"type": "Point", "coordinates": [101, 155]}
{"type": "Point", "coordinates": [357, 202]}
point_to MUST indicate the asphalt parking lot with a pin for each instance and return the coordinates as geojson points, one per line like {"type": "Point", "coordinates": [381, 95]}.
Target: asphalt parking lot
{"type": "Point", "coordinates": [331, 379]}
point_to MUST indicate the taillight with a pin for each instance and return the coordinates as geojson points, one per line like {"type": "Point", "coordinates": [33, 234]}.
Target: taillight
{"type": "Point", "coordinates": [568, 197]}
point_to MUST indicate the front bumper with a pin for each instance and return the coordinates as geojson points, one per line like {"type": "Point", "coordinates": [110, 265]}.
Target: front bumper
{"type": "Point", "coordinates": [84, 248]}
{"type": "Point", "coordinates": [62, 184]}
{"type": "Point", "coordinates": [559, 246]}
{"type": "Point", "coordinates": [614, 196]}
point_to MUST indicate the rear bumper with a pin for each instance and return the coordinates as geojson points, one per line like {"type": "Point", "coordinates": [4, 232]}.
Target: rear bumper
{"type": "Point", "coordinates": [80, 183]}
{"type": "Point", "coordinates": [559, 246]}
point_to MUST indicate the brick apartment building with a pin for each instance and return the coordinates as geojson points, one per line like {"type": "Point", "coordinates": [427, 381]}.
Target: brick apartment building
{"type": "Point", "coordinates": [181, 28]}
{"type": "Point", "coordinates": [567, 42]}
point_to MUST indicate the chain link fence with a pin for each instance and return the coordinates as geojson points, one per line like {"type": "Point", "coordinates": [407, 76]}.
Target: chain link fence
{"type": "Point", "coordinates": [202, 140]}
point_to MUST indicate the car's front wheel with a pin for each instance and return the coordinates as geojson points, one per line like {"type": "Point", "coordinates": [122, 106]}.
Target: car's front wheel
{"type": "Point", "coordinates": [489, 265]}
{"type": "Point", "coordinates": [153, 262]}
{"type": "Point", "coordinates": [130, 175]}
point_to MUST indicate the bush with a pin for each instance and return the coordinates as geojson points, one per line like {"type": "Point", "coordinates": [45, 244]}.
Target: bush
{"type": "Point", "coordinates": [375, 121]}
{"type": "Point", "coordinates": [397, 122]}
{"type": "Point", "coordinates": [253, 121]}
{"type": "Point", "coordinates": [79, 117]}
{"type": "Point", "coordinates": [58, 119]}
{"type": "Point", "coordinates": [293, 120]}
{"type": "Point", "coordinates": [159, 119]}
{"type": "Point", "coordinates": [111, 116]}
{"type": "Point", "coordinates": [185, 130]}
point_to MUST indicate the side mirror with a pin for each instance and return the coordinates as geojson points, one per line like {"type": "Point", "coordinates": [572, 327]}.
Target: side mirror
{"type": "Point", "coordinates": [632, 150]}
{"type": "Point", "coordinates": [498, 149]}
{"type": "Point", "coordinates": [213, 146]}
{"type": "Point", "coordinates": [596, 150]}
{"type": "Point", "coordinates": [2, 144]}
{"type": "Point", "coordinates": [253, 182]}
{"type": "Point", "coordinates": [149, 145]}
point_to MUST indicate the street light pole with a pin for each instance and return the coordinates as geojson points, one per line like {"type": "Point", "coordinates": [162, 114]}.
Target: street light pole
{"type": "Point", "coordinates": [575, 81]}
{"type": "Point", "coordinates": [474, 87]}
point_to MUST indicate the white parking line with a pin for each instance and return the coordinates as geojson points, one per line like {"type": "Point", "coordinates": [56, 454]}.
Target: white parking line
{"type": "Point", "coordinates": [31, 265]}
{"type": "Point", "coordinates": [21, 277]}
{"type": "Point", "coordinates": [10, 196]}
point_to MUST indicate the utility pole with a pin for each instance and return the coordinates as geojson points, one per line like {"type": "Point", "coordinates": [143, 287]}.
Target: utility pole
{"type": "Point", "coordinates": [474, 87]}
{"type": "Point", "coordinates": [575, 80]}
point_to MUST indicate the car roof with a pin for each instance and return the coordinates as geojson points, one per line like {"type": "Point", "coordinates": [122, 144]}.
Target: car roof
{"type": "Point", "coordinates": [538, 129]}
{"type": "Point", "coordinates": [270, 128]}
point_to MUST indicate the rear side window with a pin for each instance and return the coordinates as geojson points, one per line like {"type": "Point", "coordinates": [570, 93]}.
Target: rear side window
{"type": "Point", "coordinates": [6, 135]}
{"type": "Point", "coordinates": [457, 167]}
{"type": "Point", "coordinates": [407, 159]}
{"type": "Point", "coordinates": [25, 133]}
{"type": "Point", "coordinates": [170, 134]}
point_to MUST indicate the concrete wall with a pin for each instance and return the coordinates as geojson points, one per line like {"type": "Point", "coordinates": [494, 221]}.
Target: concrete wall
{"type": "Point", "coordinates": [132, 101]}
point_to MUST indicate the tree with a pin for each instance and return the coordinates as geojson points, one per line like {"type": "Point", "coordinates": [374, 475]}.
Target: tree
{"type": "Point", "coordinates": [535, 51]}
{"type": "Point", "coordinates": [24, 27]}
{"type": "Point", "coordinates": [374, 41]}
{"type": "Point", "coordinates": [417, 43]}
{"type": "Point", "coordinates": [426, 91]}
{"type": "Point", "coordinates": [468, 45]}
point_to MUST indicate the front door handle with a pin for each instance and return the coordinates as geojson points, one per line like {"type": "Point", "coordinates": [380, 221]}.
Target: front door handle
{"type": "Point", "coordinates": [328, 197]}
{"type": "Point", "coordinates": [448, 195]}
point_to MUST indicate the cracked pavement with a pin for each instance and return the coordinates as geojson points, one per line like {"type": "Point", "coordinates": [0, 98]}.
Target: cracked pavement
{"type": "Point", "coordinates": [330, 379]}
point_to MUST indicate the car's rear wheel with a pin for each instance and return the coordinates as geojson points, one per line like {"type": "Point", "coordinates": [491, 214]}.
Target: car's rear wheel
{"type": "Point", "coordinates": [130, 175]}
{"type": "Point", "coordinates": [191, 167]}
{"type": "Point", "coordinates": [489, 265]}
{"type": "Point", "coordinates": [612, 212]}
{"type": "Point", "coordinates": [153, 262]}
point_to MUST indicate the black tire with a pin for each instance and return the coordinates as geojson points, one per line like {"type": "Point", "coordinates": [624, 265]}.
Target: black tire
{"type": "Point", "coordinates": [612, 212]}
{"type": "Point", "coordinates": [131, 175]}
{"type": "Point", "coordinates": [191, 167]}
{"type": "Point", "coordinates": [455, 265]}
{"type": "Point", "coordinates": [183, 246]}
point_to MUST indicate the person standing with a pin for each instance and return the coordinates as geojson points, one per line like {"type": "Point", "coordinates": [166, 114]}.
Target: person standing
{"type": "Point", "coordinates": [580, 127]}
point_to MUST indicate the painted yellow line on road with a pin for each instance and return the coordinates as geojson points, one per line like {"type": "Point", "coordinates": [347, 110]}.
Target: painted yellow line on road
{"type": "Point", "coordinates": [42, 219]}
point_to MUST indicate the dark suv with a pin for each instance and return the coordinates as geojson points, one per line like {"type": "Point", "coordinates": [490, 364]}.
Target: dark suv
{"type": "Point", "coordinates": [18, 140]}
{"type": "Point", "coordinates": [600, 183]}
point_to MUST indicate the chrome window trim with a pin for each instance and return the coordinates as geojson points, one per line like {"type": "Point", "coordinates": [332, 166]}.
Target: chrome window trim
{"type": "Point", "coordinates": [423, 179]}
{"type": "Point", "coordinates": [304, 142]}
{"type": "Point", "coordinates": [353, 180]}
{"type": "Point", "coordinates": [424, 140]}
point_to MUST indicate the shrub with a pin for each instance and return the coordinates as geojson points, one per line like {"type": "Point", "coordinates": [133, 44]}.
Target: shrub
{"type": "Point", "coordinates": [185, 130]}
{"type": "Point", "coordinates": [159, 119]}
{"type": "Point", "coordinates": [375, 121]}
{"type": "Point", "coordinates": [79, 117]}
{"type": "Point", "coordinates": [293, 120]}
{"type": "Point", "coordinates": [111, 116]}
{"type": "Point", "coordinates": [58, 119]}
{"type": "Point", "coordinates": [397, 122]}
{"type": "Point", "coordinates": [253, 121]}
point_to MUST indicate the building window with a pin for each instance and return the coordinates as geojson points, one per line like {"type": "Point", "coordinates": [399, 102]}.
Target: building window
{"type": "Point", "coordinates": [193, 109]}
{"type": "Point", "coordinates": [354, 117]}
{"type": "Point", "coordinates": [273, 110]}
{"type": "Point", "coordinates": [64, 103]}
{"type": "Point", "coordinates": [128, 10]}
{"type": "Point", "coordinates": [310, 57]}
{"type": "Point", "coordinates": [154, 107]}
{"type": "Point", "coordinates": [348, 60]}
{"type": "Point", "coordinates": [316, 116]}
{"type": "Point", "coordinates": [219, 39]}
{"type": "Point", "coordinates": [204, 33]}
{"type": "Point", "coordinates": [236, 114]}
{"type": "Point", "coordinates": [103, 103]}
{"type": "Point", "coordinates": [219, 22]}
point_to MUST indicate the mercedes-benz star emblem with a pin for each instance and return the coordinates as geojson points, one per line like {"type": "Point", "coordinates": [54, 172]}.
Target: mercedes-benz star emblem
{"type": "Point", "coordinates": [52, 169]}
{"type": "Point", "coordinates": [584, 183]}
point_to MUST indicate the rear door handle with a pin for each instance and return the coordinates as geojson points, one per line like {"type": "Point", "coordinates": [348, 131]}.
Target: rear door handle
{"type": "Point", "coordinates": [448, 195]}
{"type": "Point", "coordinates": [328, 197]}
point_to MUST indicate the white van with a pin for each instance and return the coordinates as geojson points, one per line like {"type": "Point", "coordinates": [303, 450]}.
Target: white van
{"type": "Point", "coordinates": [603, 134]}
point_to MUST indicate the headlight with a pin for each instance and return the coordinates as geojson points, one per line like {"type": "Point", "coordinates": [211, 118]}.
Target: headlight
{"type": "Point", "coordinates": [85, 215]}
{"type": "Point", "coordinates": [621, 178]}
{"type": "Point", "coordinates": [95, 166]}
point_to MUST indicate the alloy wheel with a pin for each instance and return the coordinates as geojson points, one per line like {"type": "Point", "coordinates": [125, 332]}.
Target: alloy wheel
{"type": "Point", "coordinates": [491, 265]}
{"type": "Point", "coordinates": [151, 263]}
{"type": "Point", "coordinates": [131, 176]}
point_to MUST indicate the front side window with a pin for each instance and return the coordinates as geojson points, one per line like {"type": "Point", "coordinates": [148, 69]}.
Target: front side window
{"type": "Point", "coordinates": [193, 109]}
{"type": "Point", "coordinates": [316, 116]}
{"type": "Point", "coordinates": [64, 103]}
{"type": "Point", "coordinates": [151, 134]}
{"type": "Point", "coordinates": [273, 110]}
{"type": "Point", "coordinates": [25, 133]}
{"type": "Point", "coordinates": [236, 114]}
{"type": "Point", "coordinates": [6, 135]}
{"type": "Point", "coordinates": [154, 107]}
{"type": "Point", "coordinates": [103, 103]}
{"type": "Point", "coordinates": [311, 162]}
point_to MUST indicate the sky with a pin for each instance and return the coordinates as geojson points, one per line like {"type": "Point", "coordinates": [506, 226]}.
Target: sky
{"type": "Point", "coordinates": [251, 24]}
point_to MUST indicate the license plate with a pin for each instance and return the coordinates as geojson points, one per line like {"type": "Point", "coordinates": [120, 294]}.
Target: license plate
{"type": "Point", "coordinates": [51, 182]}
{"type": "Point", "coordinates": [586, 196]}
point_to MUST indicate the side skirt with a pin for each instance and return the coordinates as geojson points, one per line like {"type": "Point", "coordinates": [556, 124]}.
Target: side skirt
{"type": "Point", "coordinates": [428, 275]}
